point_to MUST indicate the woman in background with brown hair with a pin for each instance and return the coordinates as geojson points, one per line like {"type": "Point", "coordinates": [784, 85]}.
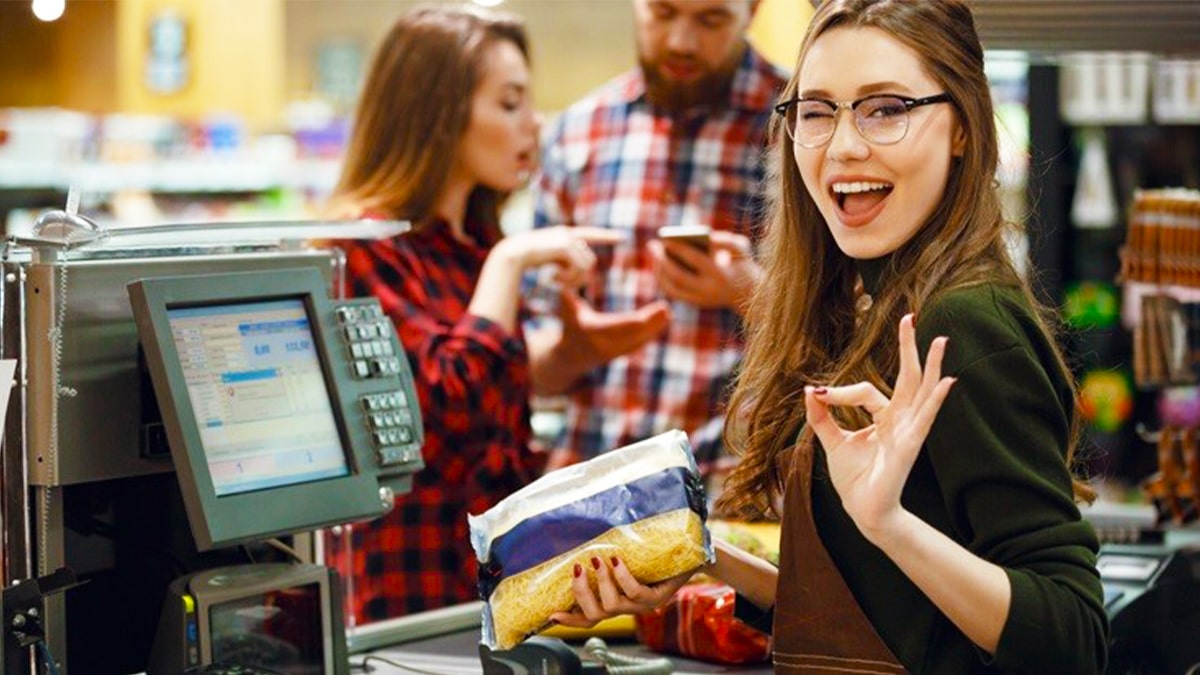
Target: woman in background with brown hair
{"type": "Point", "coordinates": [445, 129]}
{"type": "Point", "coordinates": [929, 522]}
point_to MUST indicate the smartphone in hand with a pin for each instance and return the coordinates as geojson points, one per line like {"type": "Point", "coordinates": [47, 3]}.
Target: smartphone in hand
{"type": "Point", "coordinates": [693, 235]}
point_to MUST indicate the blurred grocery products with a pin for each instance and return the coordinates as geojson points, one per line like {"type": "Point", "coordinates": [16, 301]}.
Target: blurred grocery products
{"type": "Point", "coordinates": [136, 169]}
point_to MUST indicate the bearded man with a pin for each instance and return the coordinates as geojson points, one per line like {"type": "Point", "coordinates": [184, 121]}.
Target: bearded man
{"type": "Point", "coordinates": [678, 140]}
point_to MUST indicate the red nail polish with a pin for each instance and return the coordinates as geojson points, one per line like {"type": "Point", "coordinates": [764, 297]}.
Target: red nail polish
{"type": "Point", "coordinates": [578, 570]}
{"type": "Point", "coordinates": [596, 563]}
{"type": "Point", "coordinates": [820, 391]}
{"type": "Point", "coordinates": [615, 562]}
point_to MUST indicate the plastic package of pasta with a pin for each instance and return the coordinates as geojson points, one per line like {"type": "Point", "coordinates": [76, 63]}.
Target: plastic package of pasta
{"type": "Point", "coordinates": [643, 503]}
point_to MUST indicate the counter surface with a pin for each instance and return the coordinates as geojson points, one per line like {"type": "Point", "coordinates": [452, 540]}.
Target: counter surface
{"type": "Point", "coordinates": [458, 654]}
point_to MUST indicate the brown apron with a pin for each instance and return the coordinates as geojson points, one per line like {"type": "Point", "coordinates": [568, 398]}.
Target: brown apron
{"type": "Point", "coordinates": [819, 627]}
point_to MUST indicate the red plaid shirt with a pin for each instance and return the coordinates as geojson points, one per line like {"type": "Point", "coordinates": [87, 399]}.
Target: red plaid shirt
{"type": "Point", "coordinates": [472, 378]}
{"type": "Point", "coordinates": [613, 160]}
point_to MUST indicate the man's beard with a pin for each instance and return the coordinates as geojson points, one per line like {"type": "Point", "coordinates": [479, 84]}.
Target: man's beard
{"type": "Point", "coordinates": [709, 89]}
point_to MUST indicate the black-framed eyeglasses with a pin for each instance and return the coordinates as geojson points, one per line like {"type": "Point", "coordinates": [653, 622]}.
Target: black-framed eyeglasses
{"type": "Point", "coordinates": [882, 119]}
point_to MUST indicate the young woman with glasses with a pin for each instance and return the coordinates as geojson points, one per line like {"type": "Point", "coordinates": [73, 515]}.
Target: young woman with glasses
{"type": "Point", "coordinates": [928, 506]}
{"type": "Point", "coordinates": [445, 129]}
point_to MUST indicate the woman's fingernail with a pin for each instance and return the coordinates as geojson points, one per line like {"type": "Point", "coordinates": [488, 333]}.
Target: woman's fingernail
{"type": "Point", "coordinates": [578, 570]}
{"type": "Point", "coordinates": [820, 391]}
{"type": "Point", "coordinates": [615, 562]}
{"type": "Point", "coordinates": [596, 563]}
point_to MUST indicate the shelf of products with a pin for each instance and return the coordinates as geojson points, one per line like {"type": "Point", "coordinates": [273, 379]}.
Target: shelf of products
{"type": "Point", "coordinates": [207, 174]}
{"type": "Point", "coordinates": [139, 169]}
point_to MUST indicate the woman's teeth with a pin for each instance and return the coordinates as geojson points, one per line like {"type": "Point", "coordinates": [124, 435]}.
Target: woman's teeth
{"type": "Point", "coordinates": [859, 186]}
{"type": "Point", "coordinates": [858, 196]}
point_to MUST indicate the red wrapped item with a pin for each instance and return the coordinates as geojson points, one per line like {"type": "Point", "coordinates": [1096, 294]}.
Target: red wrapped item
{"type": "Point", "coordinates": [698, 623]}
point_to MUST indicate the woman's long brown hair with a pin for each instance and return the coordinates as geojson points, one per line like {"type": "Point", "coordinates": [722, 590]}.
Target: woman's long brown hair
{"type": "Point", "coordinates": [412, 113]}
{"type": "Point", "coordinates": [802, 324]}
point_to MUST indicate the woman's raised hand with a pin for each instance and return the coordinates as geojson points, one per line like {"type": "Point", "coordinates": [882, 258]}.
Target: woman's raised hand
{"type": "Point", "coordinates": [570, 248]}
{"type": "Point", "coordinates": [869, 466]}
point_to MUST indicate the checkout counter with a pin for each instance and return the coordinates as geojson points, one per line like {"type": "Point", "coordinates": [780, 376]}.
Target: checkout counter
{"type": "Point", "coordinates": [140, 533]}
{"type": "Point", "coordinates": [457, 654]}
{"type": "Point", "coordinates": [1152, 596]}
{"type": "Point", "coordinates": [446, 642]}
{"type": "Point", "coordinates": [190, 402]}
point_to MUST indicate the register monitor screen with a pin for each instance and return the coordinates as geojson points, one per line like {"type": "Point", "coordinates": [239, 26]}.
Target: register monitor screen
{"type": "Point", "coordinates": [256, 386]}
{"type": "Point", "coordinates": [260, 408]}
{"type": "Point", "coordinates": [275, 628]}
{"type": "Point", "coordinates": [273, 617]}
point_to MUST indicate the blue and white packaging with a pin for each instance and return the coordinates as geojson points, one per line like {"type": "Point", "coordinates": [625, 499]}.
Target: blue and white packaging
{"type": "Point", "coordinates": [643, 503]}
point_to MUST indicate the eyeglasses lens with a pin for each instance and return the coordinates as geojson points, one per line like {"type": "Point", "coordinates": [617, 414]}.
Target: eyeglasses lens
{"type": "Point", "coordinates": [882, 120]}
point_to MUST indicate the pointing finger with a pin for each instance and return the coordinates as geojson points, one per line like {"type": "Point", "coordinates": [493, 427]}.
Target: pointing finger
{"type": "Point", "coordinates": [599, 235]}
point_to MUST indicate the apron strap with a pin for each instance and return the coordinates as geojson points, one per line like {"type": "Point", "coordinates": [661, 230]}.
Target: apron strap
{"type": "Point", "coordinates": [819, 627]}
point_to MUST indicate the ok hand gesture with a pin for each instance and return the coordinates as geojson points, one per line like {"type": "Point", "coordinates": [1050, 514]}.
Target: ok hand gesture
{"type": "Point", "coordinates": [869, 466]}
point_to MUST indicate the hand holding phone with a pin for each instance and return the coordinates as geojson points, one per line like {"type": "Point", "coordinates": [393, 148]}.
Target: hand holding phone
{"type": "Point", "coordinates": [696, 236]}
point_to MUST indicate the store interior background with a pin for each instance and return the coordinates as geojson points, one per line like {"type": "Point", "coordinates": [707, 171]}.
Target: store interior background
{"type": "Point", "coordinates": [198, 110]}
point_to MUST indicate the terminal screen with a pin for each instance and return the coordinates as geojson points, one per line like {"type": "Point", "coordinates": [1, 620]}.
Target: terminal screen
{"type": "Point", "coordinates": [281, 630]}
{"type": "Point", "coordinates": [257, 390]}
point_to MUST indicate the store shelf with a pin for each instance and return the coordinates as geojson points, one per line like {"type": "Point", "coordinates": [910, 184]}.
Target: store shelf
{"type": "Point", "coordinates": [166, 176]}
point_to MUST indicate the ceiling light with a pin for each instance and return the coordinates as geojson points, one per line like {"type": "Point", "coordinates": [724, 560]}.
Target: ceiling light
{"type": "Point", "coordinates": [49, 10]}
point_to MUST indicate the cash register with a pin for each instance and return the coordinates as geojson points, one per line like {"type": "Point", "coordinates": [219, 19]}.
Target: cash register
{"type": "Point", "coordinates": [285, 412]}
{"type": "Point", "coordinates": [1152, 598]}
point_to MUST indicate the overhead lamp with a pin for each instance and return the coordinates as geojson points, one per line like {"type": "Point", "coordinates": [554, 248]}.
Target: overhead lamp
{"type": "Point", "coordinates": [49, 10]}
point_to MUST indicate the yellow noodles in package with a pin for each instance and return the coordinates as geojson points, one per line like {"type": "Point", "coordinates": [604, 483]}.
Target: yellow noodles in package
{"type": "Point", "coordinates": [643, 503]}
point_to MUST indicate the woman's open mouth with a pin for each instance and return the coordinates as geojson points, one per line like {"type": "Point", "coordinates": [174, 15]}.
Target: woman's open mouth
{"type": "Point", "coordinates": [859, 201]}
